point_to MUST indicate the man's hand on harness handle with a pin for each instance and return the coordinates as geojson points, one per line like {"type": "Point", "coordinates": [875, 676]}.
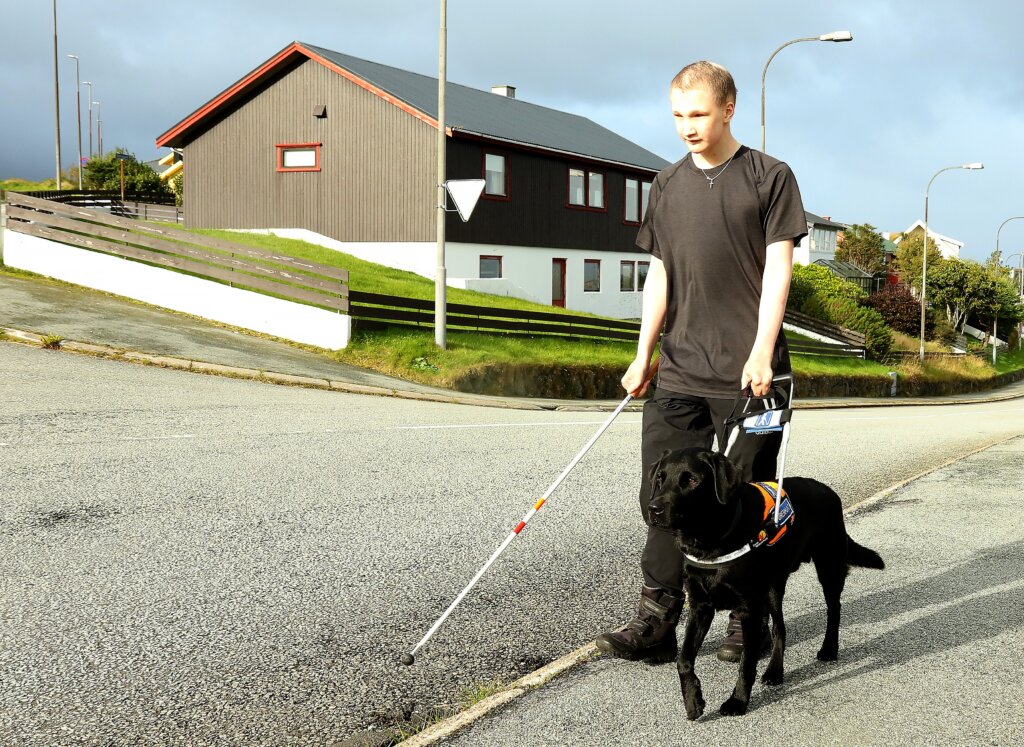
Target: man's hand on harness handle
{"type": "Point", "coordinates": [639, 376]}
{"type": "Point", "coordinates": [757, 374]}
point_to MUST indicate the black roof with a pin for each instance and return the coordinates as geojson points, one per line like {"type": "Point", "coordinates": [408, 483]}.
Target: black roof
{"type": "Point", "coordinates": [819, 221]}
{"type": "Point", "coordinates": [491, 115]}
{"type": "Point", "coordinates": [843, 269]}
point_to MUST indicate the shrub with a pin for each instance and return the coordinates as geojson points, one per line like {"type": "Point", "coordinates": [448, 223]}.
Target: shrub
{"type": "Point", "coordinates": [848, 313]}
{"type": "Point", "coordinates": [811, 280]}
{"type": "Point", "coordinates": [898, 308]}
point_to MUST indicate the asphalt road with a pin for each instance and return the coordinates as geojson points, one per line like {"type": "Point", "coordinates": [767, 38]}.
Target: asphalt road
{"type": "Point", "coordinates": [195, 560]}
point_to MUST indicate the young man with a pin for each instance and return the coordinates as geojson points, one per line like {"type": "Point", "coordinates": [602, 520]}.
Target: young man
{"type": "Point", "coordinates": [721, 225]}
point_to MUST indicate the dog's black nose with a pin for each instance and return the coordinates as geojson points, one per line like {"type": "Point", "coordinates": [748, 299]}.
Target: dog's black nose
{"type": "Point", "coordinates": [657, 510]}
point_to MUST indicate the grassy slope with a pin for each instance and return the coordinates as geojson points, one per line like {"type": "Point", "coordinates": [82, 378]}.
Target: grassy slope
{"type": "Point", "coordinates": [411, 353]}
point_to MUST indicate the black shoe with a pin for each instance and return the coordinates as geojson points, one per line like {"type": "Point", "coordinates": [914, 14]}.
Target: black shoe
{"type": "Point", "coordinates": [732, 647]}
{"type": "Point", "coordinates": [651, 636]}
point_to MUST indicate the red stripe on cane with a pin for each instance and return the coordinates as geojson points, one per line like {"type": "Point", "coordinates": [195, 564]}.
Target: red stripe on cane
{"type": "Point", "coordinates": [519, 527]}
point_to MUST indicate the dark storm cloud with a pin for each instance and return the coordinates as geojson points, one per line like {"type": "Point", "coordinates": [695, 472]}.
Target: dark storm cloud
{"type": "Point", "coordinates": [864, 125]}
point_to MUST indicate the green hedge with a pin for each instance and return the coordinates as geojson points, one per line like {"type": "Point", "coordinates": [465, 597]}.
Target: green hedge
{"type": "Point", "coordinates": [848, 313]}
{"type": "Point", "coordinates": [811, 280]}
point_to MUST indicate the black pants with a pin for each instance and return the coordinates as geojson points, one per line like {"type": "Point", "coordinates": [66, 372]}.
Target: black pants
{"type": "Point", "coordinates": [679, 421]}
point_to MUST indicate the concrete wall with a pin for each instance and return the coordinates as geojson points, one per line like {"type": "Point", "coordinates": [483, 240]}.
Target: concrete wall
{"type": "Point", "coordinates": [173, 290]}
{"type": "Point", "coordinates": [526, 270]}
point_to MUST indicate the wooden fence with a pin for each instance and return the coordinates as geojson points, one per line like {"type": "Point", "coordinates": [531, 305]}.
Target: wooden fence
{"type": "Point", "coordinates": [142, 205]}
{"type": "Point", "coordinates": [214, 259]}
{"type": "Point", "coordinates": [374, 310]}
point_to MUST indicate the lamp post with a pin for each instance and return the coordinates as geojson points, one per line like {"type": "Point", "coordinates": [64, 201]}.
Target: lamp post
{"type": "Point", "coordinates": [924, 257]}
{"type": "Point", "coordinates": [1020, 275]}
{"type": "Point", "coordinates": [99, 128]}
{"type": "Point", "coordinates": [56, 90]}
{"type": "Point", "coordinates": [89, 83]}
{"type": "Point", "coordinates": [441, 280]}
{"type": "Point", "coordinates": [835, 36]}
{"type": "Point", "coordinates": [1016, 217]}
{"type": "Point", "coordinates": [78, 96]}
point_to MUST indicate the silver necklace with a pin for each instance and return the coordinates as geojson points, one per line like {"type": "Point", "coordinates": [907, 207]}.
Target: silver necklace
{"type": "Point", "coordinates": [711, 179]}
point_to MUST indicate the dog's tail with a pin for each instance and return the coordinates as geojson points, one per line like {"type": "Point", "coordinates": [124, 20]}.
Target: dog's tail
{"type": "Point", "coordinates": [862, 557]}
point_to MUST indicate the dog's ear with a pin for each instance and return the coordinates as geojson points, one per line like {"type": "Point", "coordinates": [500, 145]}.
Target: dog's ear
{"type": "Point", "coordinates": [726, 476]}
{"type": "Point", "coordinates": [653, 472]}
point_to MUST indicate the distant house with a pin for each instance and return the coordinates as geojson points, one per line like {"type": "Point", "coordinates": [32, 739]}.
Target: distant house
{"type": "Point", "coordinates": [949, 248]}
{"type": "Point", "coordinates": [820, 241]}
{"type": "Point", "coordinates": [341, 151]}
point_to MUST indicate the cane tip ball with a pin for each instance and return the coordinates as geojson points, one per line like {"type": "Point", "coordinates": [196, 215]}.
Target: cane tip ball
{"type": "Point", "coordinates": [408, 659]}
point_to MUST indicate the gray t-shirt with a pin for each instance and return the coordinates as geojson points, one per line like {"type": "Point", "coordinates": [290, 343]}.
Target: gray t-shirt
{"type": "Point", "coordinates": [713, 243]}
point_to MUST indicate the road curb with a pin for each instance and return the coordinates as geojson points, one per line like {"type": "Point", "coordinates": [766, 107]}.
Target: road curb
{"type": "Point", "coordinates": [520, 687]}
{"type": "Point", "coordinates": [542, 676]}
{"type": "Point", "coordinates": [505, 403]}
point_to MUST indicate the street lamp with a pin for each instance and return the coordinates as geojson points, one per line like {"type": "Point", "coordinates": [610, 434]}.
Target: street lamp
{"type": "Point", "coordinates": [835, 36]}
{"type": "Point", "coordinates": [1020, 274]}
{"type": "Point", "coordinates": [924, 258]}
{"type": "Point", "coordinates": [1016, 217]}
{"type": "Point", "coordinates": [89, 83]}
{"type": "Point", "coordinates": [99, 128]}
{"type": "Point", "coordinates": [78, 96]}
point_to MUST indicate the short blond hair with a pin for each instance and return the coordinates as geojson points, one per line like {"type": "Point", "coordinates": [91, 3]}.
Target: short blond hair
{"type": "Point", "coordinates": [711, 75]}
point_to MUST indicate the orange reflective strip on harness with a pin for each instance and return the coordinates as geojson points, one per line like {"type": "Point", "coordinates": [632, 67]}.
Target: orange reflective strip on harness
{"type": "Point", "coordinates": [768, 491]}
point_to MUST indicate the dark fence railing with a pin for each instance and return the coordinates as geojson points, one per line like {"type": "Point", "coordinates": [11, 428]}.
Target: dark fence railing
{"type": "Point", "coordinates": [142, 205]}
{"type": "Point", "coordinates": [215, 259]}
{"type": "Point", "coordinates": [374, 310]}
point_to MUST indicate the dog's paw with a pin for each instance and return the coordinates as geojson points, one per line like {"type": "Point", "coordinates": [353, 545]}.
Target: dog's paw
{"type": "Point", "coordinates": [694, 703]}
{"type": "Point", "coordinates": [828, 653]}
{"type": "Point", "coordinates": [733, 707]}
{"type": "Point", "coordinates": [772, 677]}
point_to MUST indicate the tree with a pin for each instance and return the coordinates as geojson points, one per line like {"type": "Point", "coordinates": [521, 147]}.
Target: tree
{"type": "Point", "coordinates": [909, 252]}
{"type": "Point", "coordinates": [863, 247]}
{"type": "Point", "coordinates": [1003, 304]}
{"type": "Point", "coordinates": [963, 287]}
{"type": "Point", "coordinates": [898, 307]}
{"type": "Point", "coordinates": [104, 172]}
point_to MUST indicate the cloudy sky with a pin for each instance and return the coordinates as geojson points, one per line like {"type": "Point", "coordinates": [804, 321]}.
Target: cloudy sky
{"type": "Point", "coordinates": [864, 124]}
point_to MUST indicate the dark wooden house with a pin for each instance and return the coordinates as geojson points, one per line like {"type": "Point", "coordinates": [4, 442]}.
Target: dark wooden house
{"type": "Point", "coordinates": [340, 150]}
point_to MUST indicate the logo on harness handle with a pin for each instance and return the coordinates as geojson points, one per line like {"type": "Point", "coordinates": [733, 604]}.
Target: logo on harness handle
{"type": "Point", "coordinates": [765, 422]}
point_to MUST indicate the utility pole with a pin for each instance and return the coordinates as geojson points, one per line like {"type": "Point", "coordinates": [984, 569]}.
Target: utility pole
{"type": "Point", "coordinates": [56, 90]}
{"type": "Point", "coordinates": [441, 281]}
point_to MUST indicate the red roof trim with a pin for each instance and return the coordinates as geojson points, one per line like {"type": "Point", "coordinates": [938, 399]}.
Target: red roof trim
{"type": "Point", "coordinates": [267, 67]}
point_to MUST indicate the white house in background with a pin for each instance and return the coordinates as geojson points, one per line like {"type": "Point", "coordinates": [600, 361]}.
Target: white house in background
{"type": "Point", "coordinates": [949, 248]}
{"type": "Point", "coordinates": [820, 241]}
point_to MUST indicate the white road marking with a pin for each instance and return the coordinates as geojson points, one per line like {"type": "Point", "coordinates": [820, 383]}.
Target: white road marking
{"type": "Point", "coordinates": [509, 425]}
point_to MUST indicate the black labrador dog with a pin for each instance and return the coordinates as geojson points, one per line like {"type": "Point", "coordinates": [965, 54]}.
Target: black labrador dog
{"type": "Point", "coordinates": [715, 515]}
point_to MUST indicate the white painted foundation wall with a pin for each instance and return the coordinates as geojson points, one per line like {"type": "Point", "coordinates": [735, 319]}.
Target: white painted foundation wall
{"type": "Point", "coordinates": [526, 270]}
{"type": "Point", "coordinates": [173, 290]}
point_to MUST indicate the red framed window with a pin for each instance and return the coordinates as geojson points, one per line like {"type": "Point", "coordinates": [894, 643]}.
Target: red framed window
{"type": "Point", "coordinates": [641, 274]}
{"type": "Point", "coordinates": [490, 266]}
{"type": "Point", "coordinates": [298, 156]}
{"type": "Point", "coordinates": [638, 193]}
{"type": "Point", "coordinates": [632, 275]}
{"type": "Point", "coordinates": [591, 276]}
{"type": "Point", "coordinates": [496, 176]}
{"type": "Point", "coordinates": [586, 189]}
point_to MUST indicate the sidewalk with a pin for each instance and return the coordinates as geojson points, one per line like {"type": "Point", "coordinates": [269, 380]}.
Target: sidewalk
{"type": "Point", "coordinates": [931, 649]}
{"type": "Point", "coordinates": [134, 331]}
